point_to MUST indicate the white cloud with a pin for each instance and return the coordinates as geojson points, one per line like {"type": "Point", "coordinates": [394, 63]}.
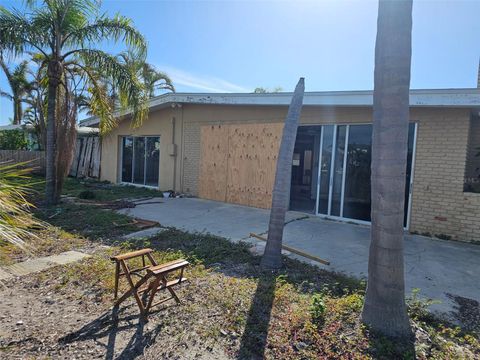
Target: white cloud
{"type": "Point", "coordinates": [200, 82]}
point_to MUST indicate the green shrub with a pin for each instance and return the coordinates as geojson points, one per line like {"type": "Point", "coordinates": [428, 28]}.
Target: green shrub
{"type": "Point", "coordinates": [13, 140]}
{"type": "Point", "coordinates": [86, 195]}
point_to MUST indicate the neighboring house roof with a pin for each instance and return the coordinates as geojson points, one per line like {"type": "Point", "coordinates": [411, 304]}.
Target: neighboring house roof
{"type": "Point", "coordinates": [469, 98]}
{"type": "Point", "coordinates": [81, 130]}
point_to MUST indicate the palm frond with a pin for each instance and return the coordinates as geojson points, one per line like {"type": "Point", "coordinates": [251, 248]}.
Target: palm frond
{"type": "Point", "coordinates": [17, 32]}
{"type": "Point", "coordinates": [6, 95]}
{"type": "Point", "coordinates": [131, 91]}
{"type": "Point", "coordinates": [16, 221]}
{"type": "Point", "coordinates": [117, 28]}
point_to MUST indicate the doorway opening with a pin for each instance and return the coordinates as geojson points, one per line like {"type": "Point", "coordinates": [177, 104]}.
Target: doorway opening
{"type": "Point", "coordinates": [331, 171]}
{"type": "Point", "coordinates": [303, 190]}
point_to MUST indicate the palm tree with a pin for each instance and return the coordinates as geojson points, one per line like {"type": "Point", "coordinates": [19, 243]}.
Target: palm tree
{"type": "Point", "coordinates": [155, 80]}
{"type": "Point", "coordinates": [385, 308]}
{"type": "Point", "coordinates": [17, 79]}
{"type": "Point", "coordinates": [67, 33]}
{"type": "Point", "coordinates": [152, 78]}
{"type": "Point", "coordinates": [272, 258]}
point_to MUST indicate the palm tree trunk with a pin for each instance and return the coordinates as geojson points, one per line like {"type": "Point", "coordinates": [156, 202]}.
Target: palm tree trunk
{"type": "Point", "coordinates": [17, 109]}
{"type": "Point", "coordinates": [272, 258]}
{"type": "Point", "coordinates": [385, 308]}
{"type": "Point", "coordinates": [54, 74]}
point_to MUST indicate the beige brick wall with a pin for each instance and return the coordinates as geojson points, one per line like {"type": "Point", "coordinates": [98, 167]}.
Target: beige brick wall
{"type": "Point", "coordinates": [439, 205]}
{"type": "Point", "coordinates": [473, 161]}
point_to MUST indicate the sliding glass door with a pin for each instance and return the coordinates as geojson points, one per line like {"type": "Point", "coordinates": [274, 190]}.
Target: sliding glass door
{"type": "Point", "coordinates": [344, 171]}
{"type": "Point", "coordinates": [140, 160]}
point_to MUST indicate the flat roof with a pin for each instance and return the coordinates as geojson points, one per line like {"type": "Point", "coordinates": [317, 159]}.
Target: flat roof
{"type": "Point", "coordinates": [465, 98]}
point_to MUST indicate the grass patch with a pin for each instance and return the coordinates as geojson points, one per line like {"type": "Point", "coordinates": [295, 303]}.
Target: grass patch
{"type": "Point", "coordinates": [87, 221]}
{"type": "Point", "coordinates": [105, 191]}
{"type": "Point", "coordinates": [99, 190]}
{"type": "Point", "coordinates": [49, 241]}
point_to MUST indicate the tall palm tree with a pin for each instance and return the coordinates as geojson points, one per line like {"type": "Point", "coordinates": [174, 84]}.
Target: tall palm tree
{"type": "Point", "coordinates": [17, 80]}
{"type": "Point", "coordinates": [272, 258]}
{"type": "Point", "coordinates": [67, 33]}
{"type": "Point", "coordinates": [385, 308]}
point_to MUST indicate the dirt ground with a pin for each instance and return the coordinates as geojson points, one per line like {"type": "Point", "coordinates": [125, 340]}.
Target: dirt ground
{"type": "Point", "coordinates": [38, 321]}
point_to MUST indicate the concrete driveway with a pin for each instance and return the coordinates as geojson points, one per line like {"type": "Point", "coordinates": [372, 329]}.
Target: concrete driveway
{"type": "Point", "coordinates": [437, 267]}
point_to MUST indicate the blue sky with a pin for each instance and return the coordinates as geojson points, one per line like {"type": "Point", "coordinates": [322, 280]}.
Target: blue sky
{"type": "Point", "coordinates": [235, 46]}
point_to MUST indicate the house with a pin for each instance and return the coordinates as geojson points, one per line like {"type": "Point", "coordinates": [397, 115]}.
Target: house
{"type": "Point", "coordinates": [224, 147]}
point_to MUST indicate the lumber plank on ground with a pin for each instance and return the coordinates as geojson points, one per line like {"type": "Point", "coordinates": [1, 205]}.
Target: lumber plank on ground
{"type": "Point", "coordinates": [295, 251]}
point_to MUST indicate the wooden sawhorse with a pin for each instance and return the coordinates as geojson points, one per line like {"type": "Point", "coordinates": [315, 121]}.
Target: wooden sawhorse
{"type": "Point", "coordinates": [153, 278]}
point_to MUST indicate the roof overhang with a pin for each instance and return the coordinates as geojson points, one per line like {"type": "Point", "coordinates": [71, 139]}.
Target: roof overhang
{"type": "Point", "coordinates": [456, 98]}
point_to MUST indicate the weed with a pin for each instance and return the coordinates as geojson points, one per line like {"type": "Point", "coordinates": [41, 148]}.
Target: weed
{"type": "Point", "coordinates": [317, 308]}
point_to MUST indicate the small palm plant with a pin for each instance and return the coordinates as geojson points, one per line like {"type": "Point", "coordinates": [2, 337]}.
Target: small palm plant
{"type": "Point", "coordinates": [16, 220]}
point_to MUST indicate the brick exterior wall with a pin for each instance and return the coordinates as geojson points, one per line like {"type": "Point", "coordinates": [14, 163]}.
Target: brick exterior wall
{"type": "Point", "coordinates": [439, 205]}
{"type": "Point", "coordinates": [472, 171]}
{"type": "Point", "coordinates": [191, 157]}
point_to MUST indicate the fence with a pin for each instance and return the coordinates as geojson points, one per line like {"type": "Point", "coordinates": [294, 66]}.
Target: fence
{"type": "Point", "coordinates": [86, 161]}
{"type": "Point", "coordinates": [36, 159]}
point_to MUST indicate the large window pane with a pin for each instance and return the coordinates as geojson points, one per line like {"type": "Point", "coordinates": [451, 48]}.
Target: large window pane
{"type": "Point", "coordinates": [139, 160]}
{"type": "Point", "coordinates": [357, 182]}
{"type": "Point", "coordinates": [303, 189]}
{"type": "Point", "coordinates": [153, 160]}
{"type": "Point", "coordinates": [411, 139]}
{"type": "Point", "coordinates": [338, 170]}
{"type": "Point", "coordinates": [325, 164]}
{"type": "Point", "coordinates": [127, 156]}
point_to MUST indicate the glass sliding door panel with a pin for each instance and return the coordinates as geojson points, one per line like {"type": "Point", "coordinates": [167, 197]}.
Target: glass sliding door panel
{"type": "Point", "coordinates": [325, 166]}
{"type": "Point", "coordinates": [153, 160]}
{"type": "Point", "coordinates": [338, 170]}
{"type": "Point", "coordinates": [411, 139]}
{"type": "Point", "coordinates": [357, 182]}
{"type": "Point", "coordinates": [127, 157]}
{"type": "Point", "coordinates": [303, 188]}
{"type": "Point", "coordinates": [139, 160]}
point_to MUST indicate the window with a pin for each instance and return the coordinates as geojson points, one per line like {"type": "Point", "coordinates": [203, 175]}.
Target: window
{"type": "Point", "coordinates": [472, 168]}
{"type": "Point", "coordinates": [140, 160]}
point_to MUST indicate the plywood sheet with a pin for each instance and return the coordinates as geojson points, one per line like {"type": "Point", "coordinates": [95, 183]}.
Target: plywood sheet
{"type": "Point", "coordinates": [238, 163]}
{"type": "Point", "coordinates": [264, 161]}
{"type": "Point", "coordinates": [213, 162]}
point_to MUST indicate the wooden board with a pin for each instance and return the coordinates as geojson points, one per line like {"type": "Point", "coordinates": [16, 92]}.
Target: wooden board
{"type": "Point", "coordinates": [238, 163]}
{"type": "Point", "coordinates": [213, 162]}
{"type": "Point", "coordinates": [267, 143]}
{"type": "Point", "coordinates": [86, 161]}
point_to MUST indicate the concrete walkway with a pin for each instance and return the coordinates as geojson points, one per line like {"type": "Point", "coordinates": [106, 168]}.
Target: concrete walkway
{"type": "Point", "coordinates": [39, 264]}
{"type": "Point", "coordinates": [437, 267]}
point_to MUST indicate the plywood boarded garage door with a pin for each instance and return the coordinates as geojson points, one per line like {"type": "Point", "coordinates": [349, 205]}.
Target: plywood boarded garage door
{"type": "Point", "coordinates": [238, 163]}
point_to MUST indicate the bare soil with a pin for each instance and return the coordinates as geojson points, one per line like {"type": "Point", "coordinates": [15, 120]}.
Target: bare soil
{"type": "Point", "coordinates": [41, 320]}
